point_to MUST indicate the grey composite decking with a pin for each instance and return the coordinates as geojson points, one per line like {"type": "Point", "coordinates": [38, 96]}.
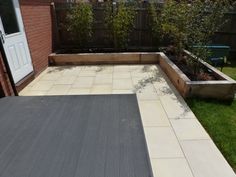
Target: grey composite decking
{"type": "Point", "coordinates": [72, 136]}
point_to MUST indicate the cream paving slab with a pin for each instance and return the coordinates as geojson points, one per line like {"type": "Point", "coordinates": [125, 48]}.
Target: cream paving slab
{"type": "Point", "coordinates": [102, 79]}
{"type": "Point", "coordinates": [121, 68]}
{"type": "Point", "coordinates": [147, 96]}
{"type": "Point", "coordinates": [162, 143]}
{"type": "Point", "coordinates": [162, 87]}
{"type": "Point", "coordinates": [168, 88]}
{"type": "Point", "coordinates": [122, 91]}
{"type": "Point", "coordinates": [174, 108]}
{"type": "Point", "coordinates": [122, 84]}
{"type": "Point", "coordinates": [104, 75]}
{"type": "Point", "coordinates": [45, 71]}
{"type": "Point", "coordinates": [176, 167]}
{"type": "Point", "coordinates": [145, 69]}
{"type": "Point", "coordinates": [33, 93]}
{"type": "Point", "coordinates": [153, 114]}
{"type": "Point", "coordinates": [42, 85]}
{"type": "Point", "coordinates": [145, 88]}
{"type": "Point", "coordinates": [101, 89]}
{"type": "Point", "coordinates": [142, 82]}
{"type": "Point", "coordinates": [56, 69]}
{"type": "Point", "coordinates": [59, 90]}
{"type": "Point", "coordinates": [104, 69]}
{"type": "Point", "coordinates": [138, 68]}
{"type": "Point", "coordinates": [189, 129]}
{"type": "Point", "coordinates": [40, 75]}
{"type": "Point", "coordinates": [65, 80]}
{"type": "Point", "coordinates": [205, 159]}
{"type": "Point", "coordinates": [121, 75]}
{"type": "Point", "coordinates": [78, 91]}
{"type": "Point", "coordinates": [83, 82]}
{"type": "Point", "coordinates": [51, 76]}
{"type": "Point", "coordinates": [32, 83]}
{"type": "Point", "coordinates": [90, 68]}
{"type": "Point", "coordinates": [25, 91]}
{"type": "Point", "coordinates": [71, 71]}
{"type": "Point", "coordinates": [85, 73]}
{"type": "Point", "coordinates": [138, 81]}
{"type": "Point", "coordinates": [135, 67]}
{"type": "Point", "coordinates": [140, 74]}
{"type": "Point", "coordinates": [146, 92]}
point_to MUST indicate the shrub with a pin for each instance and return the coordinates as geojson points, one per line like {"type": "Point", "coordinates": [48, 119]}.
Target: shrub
{"type": "Point", "coordinates": [120, 21]}
{"type": "Point", "coordinates": [154, 21]}
{"type": "Point", "coordinates": [174, 21]}
{"type": "Point", "coordinates": [206, 18]}
{"type": "Point", "coordinates": [194, 23]}
{"type": "Point", "coordinates": [188, 24]}
{"type": "Point", "coordinates": [79, 23]}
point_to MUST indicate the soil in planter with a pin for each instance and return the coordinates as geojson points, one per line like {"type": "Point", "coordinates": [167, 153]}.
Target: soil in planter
{"type": "Point", "coordinates": [205, 75]}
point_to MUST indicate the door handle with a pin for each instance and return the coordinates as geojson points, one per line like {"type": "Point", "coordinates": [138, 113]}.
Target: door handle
{"type": "Point", "coordinates": [2, 37]}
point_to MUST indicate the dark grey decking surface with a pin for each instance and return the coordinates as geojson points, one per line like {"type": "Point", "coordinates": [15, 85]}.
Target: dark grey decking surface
{"type": "Point", "coordinates": [72, 136]}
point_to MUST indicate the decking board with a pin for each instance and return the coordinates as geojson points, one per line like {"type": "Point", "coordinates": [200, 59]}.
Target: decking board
{"type": "Point", "coordinates": [72, 136]}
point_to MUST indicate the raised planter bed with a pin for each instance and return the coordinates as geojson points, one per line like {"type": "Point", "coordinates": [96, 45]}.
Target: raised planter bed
{"type": "Point", "coordinates": [104, 58]}
{"type": "Point", "coordinates": [223, 89]}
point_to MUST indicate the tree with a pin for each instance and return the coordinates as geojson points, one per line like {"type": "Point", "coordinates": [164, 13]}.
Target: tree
{"type": "Point", "coordinates": [79, 23]}
{"type": "Point", "coordinates": [192, 24]}
{"type": "Point", "coordinates": [120, 20]}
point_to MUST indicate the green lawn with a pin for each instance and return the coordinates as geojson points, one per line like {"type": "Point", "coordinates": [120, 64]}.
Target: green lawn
{"type": "Point", "coordinates": [219, 120]}
{"type": "Point", "coordinates": [230, 69]}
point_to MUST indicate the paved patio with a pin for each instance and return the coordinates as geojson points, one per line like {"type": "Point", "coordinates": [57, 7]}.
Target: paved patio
{"type": "Point", "coordinates": [178, 144]}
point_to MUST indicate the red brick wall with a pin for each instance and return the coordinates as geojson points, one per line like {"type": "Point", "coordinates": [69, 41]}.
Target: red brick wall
{"type": "Point", "coordinates": [4, 80]}
{"type": "Point", "coordinates": [37, 21]}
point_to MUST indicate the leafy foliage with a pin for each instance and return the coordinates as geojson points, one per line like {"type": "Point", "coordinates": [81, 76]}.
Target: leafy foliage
{"type": "Point", "coordinates": [120, 20]}
{"type": "Point", "coordinates": [192, 24]}
{"type": "Point", "coordinates": [109, 16]}
{"type": "Point", "coordinates": [173, 23]}
{"type": "Point", "coordinates": [154, 20]}
{"type": "Point", "coordinates": [79, 22]}
{"type": "Point", "coordinates": [205, 20]}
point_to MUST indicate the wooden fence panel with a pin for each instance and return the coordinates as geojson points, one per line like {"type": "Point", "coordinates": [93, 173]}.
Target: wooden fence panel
{"type": "Point", "coordinates": [140, 38]}
{"type": "Point", "coordinates": [227, 35]}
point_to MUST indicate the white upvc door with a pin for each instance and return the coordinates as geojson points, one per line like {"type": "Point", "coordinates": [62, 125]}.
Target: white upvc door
{"type": "Point", "coordinates": [14, 40]}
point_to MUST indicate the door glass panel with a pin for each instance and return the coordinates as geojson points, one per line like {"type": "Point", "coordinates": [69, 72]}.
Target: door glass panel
{"type": "Point", "coordinates": [8, 15]}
